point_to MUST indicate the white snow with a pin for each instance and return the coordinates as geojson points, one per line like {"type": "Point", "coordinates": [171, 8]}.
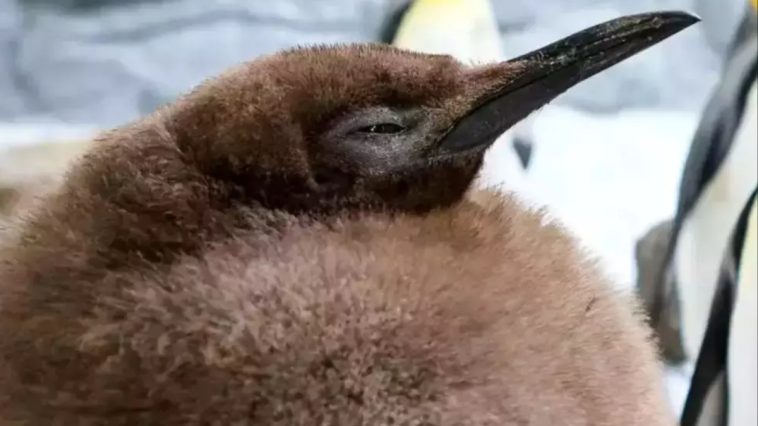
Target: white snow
{"type": "Point", "coordinates": [610, 178]}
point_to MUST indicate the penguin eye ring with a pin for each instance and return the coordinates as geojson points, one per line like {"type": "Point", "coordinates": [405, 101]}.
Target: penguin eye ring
{"type": "Point", "coordinates": [382, 129]}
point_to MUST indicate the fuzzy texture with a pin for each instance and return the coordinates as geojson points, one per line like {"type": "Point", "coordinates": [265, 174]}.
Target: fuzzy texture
{"type": "Point", "coordinates": [222, 263]}
{"type": "Point", "coordinates": [471, 316]}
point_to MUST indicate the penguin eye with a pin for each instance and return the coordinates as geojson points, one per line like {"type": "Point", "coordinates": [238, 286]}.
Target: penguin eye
{"type": "Point", "coordinates": [382, 128]}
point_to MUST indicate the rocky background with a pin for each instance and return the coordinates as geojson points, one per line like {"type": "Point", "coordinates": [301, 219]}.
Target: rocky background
{"type": "Point", "coordinates": [102, 62]}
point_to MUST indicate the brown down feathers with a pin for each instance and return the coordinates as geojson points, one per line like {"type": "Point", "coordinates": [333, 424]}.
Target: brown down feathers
{"type": "Point", "coordinates": [172, 280]}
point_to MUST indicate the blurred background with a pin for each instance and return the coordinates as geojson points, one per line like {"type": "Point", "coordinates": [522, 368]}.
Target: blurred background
{"type": "Point", "coordinates": [606, 157]}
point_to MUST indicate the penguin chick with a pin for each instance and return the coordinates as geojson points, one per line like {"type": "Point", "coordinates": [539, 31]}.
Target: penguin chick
{"type": "Point", "coordinates": [288, 245]}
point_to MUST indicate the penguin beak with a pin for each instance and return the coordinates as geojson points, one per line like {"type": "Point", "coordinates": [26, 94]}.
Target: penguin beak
{"type": "Point", "coordinates": [509, 91]}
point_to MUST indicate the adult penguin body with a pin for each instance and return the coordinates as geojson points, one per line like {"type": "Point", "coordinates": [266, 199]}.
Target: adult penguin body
{"type": "Point", "coordinates": [701, 296]}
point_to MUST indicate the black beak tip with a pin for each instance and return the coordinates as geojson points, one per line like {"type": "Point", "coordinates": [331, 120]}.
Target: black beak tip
{"type": "Point", "coordinates": [676, 20]}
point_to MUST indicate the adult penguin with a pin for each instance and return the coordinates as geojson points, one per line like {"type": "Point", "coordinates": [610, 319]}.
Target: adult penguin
{"type": "Point", "coordinates": [701, 292]}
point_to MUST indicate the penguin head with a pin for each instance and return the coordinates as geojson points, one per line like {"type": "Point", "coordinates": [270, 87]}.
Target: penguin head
{"type": "Point", "coordinates": [374, 126]}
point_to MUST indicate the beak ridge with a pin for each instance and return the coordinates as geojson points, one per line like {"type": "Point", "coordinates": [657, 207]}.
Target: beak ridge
{"type": "Point", "coordinates": [538, 77]}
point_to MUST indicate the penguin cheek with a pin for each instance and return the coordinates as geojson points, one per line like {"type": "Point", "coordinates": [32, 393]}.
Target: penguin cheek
{"type": "Point", "coordinates": [423, 187]}
{"type": "Point", "coordinates": [330, 180]}
{"type": "Point", "coordinates": [448, 181]}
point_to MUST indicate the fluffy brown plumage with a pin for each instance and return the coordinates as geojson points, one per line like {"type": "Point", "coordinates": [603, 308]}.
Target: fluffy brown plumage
{"type": "Point", "coordinates": [471, 316]}
{"type": "Point", "coordinates": [229, 260]}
